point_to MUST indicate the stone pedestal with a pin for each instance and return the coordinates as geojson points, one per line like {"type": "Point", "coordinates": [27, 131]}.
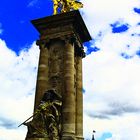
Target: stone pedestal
{"type": "Point", "coordinates": [37, 139]}
{"type": "Point", "coordinates": [60, 68]}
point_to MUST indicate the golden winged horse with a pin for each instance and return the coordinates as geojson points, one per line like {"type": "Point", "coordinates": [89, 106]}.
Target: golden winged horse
{"type": "Point", "coordinates": [66, 5]}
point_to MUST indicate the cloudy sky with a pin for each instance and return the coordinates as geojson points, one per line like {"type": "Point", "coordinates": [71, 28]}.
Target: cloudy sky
{"type": "Point", "coordinates": [111, 79]}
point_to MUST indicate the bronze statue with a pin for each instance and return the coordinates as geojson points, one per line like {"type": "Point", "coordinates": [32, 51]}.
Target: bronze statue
{"type": "Point", "coordinates": [47, 117]}
{"type": "Point", "coordinates": [66, 5]}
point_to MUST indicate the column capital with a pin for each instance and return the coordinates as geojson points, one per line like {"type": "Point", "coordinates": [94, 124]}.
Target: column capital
{"type": "Point", "coordinates": [67, 39]}
{"type": "Point", "coordinates": [42, 43]}
{"type": "Point", "coordinates": [70, 39]}
{"type": "Point", "coordinates": [78, 47]}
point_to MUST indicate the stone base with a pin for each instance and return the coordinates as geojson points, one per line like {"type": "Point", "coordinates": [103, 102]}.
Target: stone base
{"type": "Point", "coordinates": [63, 138]}
{"type": "Point", "coordinates": [67, 138]}
{"type": "Point", "coordinates": [37, 139]}
{"type": "Point", "coordinates": [79, 138]}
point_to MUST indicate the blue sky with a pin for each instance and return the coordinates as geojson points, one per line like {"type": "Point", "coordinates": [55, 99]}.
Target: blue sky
{"type": "Point", "coordinates": [111, 79]}
{"type": "Point", "coordinates": [15, 17]}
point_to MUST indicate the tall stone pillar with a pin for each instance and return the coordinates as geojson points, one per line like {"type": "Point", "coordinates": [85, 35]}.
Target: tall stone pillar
{"type": "Point", "coordinates": [60, 68]}
{"type": "Point", "coordinates": [42, 77]}
{"type": "Point", "coordinates": [79, 99]}
{"type": "Point", "coordinates": [68, 108]}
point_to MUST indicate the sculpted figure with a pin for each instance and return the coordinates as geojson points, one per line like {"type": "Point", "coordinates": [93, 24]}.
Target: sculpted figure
{"type": "Point", "coordinates": [46, 119]}
{"type": "Point", "coordinates": [66, 5]}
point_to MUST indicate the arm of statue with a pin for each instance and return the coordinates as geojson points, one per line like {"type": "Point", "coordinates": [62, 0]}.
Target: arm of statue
{"type": "Point", "coordinates": [24, 123]}
{"type": "Point", "coordinates": [75, 5]}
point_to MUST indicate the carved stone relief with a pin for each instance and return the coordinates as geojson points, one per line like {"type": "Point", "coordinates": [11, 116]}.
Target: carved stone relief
{"type": "Point", "coordinates": [55, 65]}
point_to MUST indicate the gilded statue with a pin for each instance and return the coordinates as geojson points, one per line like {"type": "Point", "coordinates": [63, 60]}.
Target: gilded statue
{"type": "Point", "coordinates": [62, 6]}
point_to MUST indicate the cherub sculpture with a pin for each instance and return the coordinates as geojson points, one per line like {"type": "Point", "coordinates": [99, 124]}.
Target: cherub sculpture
{"type": "Point", "coordinates": [62, 6]}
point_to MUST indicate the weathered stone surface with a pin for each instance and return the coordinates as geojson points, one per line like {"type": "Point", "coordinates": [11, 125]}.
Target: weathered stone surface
{"type": "Point", "coordinates": [79, 99]}
{"type": "Point", "coordinates": [55, 26]}
{"type": "Point", "coordinates": [38, 139]}
{"type": "Point", "coordinates": [60, 68]}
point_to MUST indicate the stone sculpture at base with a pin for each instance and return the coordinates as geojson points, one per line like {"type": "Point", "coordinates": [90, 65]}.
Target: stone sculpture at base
{"type": "Point", "coordinates": [46, 121]}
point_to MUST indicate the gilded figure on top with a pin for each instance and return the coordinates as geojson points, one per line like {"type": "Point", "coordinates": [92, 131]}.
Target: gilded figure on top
{"type": "Point", "coordinates": [62, 6]}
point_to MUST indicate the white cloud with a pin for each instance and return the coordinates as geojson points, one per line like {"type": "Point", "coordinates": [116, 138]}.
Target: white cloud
{"type": "Point", "coordinates": [112, 83]}
{"type": "Point", "coordinates": [98, 13]}
{"type": "Point", "coordinates": [108, 82]}
{"type": "Point", "coordinates": [13, 134]}
{"type": "Point", "coordinates": [17, 80]}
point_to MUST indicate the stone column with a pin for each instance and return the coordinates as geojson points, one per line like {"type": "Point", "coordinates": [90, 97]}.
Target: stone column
{"type": "Point", "coordinates": [68, 107]}
{"type": "Point", "coordinates": [79, 100]}
{"type": "Point", "coordinates": [42, 77]}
